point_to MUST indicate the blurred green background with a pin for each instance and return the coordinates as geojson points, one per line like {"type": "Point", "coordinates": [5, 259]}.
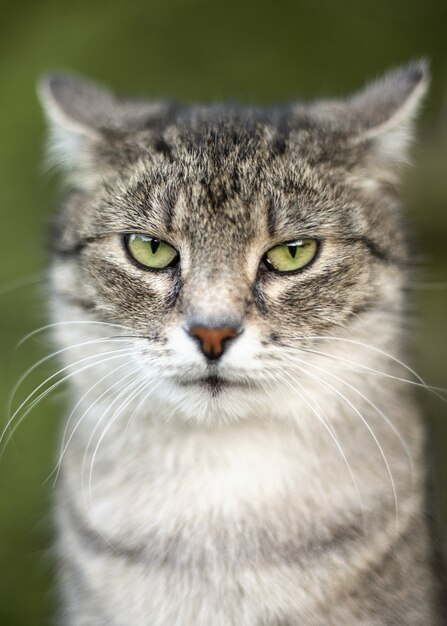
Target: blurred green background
{"type": "Point", "coordinates": [259, 51]}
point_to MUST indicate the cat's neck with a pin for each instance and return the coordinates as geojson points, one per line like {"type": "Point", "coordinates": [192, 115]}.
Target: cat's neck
{"type": "Point", "coordinates": [189, 474]}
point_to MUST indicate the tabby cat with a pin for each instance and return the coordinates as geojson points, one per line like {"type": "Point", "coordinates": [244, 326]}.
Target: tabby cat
{"type": "Point", "coordinates": [228, 295]}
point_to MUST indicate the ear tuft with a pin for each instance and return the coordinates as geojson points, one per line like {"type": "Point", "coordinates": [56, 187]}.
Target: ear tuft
{"type": "Point", "coordinates": [77, 104]}
{"type": "Point", "coordinates": [384, 111]}
{"type": "Point", "coordinates": [76, 110]}
{"type": "Point", "coordinates": [81, 113]}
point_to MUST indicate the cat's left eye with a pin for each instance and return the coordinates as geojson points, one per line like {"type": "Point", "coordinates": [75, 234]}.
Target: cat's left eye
{"type": "Point", "coordinates": [289, 257]}
{"type": "Point", "coordinates": [150, 252]}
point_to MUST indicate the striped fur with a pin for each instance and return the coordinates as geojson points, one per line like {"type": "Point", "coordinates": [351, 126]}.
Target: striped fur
{"type": "Point", "coordinates": [283, 485]}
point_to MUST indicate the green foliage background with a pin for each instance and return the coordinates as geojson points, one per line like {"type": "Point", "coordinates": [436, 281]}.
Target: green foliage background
{"type": "Point", "coordinates": [260, 51]}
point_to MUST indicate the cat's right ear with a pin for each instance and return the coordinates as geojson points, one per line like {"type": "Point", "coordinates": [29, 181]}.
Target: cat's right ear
{"type": "Point", "coordinates": [77, 111]}
{"type": "Point", "coordinates": [383, 114]}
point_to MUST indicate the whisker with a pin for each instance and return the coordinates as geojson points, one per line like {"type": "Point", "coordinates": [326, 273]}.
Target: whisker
{"type": "Point", "coordinates": [435, 390]}
{"type": "Point", "coordinates": [324, 420]}
{"type": "Point", "coordinates": [54, 354]}
{"type": "Point", "coordinates": [63, 369]}
{"type": "Point", "coordinates": [67, 323]}
{"type": "Point", "coordinates": [115, 353]}
{"type": "Point", "coordinates": [143, 399]}
{"type": "Point", "coordinates": [371, 404]}
{"type": "Point", "coordinates": [143, 385]}
{"type": "Point", "coordinates": [116, 415]}
{"type": "Point", "coordinates": [368, 369]}
{"type": "Point", "coordinates": [368, 427]}
{"type": "Point", "coordinates": [65, 445]}
{"type": "Point", "coordinates": [372, 348]}
{"type": "Point", "coordinates": [24, 281]}
{"type": "Point", "coordinates": [138, 383]}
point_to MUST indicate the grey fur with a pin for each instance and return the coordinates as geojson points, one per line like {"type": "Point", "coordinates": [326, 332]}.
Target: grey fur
{"type": "Point", "coordinates": [280, 494]}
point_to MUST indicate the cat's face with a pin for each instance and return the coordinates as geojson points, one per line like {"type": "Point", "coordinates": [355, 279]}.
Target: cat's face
{"type": "Point", "coordinates": [230, 241]}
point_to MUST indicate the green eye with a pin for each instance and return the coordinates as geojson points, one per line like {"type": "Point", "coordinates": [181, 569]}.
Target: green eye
{"type": "Point", "coordinates": [151, 252]}
{"type": "Point", "coordinates": [295, 255]}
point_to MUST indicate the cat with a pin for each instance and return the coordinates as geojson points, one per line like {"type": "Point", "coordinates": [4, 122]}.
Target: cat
{"type": "Point", "coordinates": [243, 447]}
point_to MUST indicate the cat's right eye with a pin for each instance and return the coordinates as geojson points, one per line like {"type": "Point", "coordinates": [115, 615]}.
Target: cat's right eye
{"type": "Point", "coordinates": [150, 252]}
{"type": "Point", "coordinates": [292, 256]}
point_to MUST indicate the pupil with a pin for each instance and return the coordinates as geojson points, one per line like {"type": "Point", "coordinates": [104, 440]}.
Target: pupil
{"type": "Point", "coordinates": [155, 244]}
{"type": "Point", "coordinates": [292, 251]}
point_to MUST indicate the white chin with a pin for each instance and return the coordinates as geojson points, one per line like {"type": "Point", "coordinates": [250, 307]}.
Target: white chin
{"type": "Point", "coordinates": [213, 404]}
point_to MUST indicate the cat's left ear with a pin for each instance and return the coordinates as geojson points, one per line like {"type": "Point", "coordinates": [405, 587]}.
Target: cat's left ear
{"type": "Point", "coordinates": [76, 110]}
{"type": "Point", "coordinates": [81, 115]}
{"type": "Point", "coordinates": [382, 115]}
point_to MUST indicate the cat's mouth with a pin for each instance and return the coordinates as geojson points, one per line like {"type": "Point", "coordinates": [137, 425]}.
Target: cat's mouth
{"type": "Point", "coordinates": [212, 382]}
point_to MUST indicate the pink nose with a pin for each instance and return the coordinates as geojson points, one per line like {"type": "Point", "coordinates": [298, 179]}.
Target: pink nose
{"type": "Point", "coordinates": [213, 340]}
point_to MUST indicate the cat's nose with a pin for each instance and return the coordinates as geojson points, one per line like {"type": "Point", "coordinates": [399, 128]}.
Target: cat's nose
{"type": "Point", "coordinates": [213, 340]}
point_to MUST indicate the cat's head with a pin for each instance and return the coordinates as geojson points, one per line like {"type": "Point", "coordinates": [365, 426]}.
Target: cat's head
{"type": "Point", "coordinates": [231, 245]}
